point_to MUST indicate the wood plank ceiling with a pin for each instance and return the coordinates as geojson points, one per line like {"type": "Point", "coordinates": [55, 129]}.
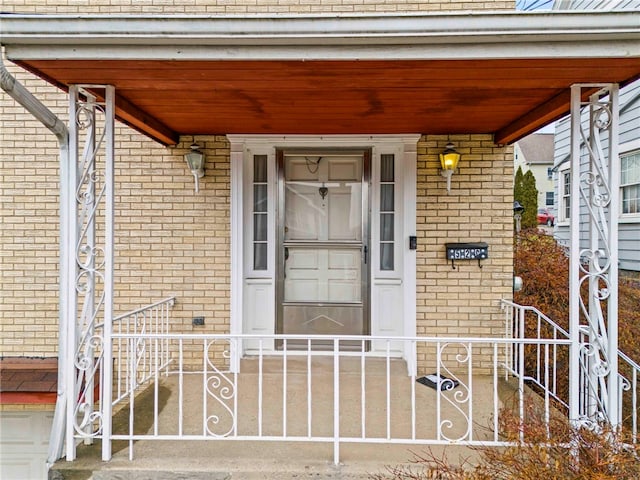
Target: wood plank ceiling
{"type": "Point", "coordinates": [509, 98]}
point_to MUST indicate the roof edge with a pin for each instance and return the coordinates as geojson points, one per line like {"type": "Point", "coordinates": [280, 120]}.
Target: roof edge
{"type": "Point", "coordinates": [457, 27]}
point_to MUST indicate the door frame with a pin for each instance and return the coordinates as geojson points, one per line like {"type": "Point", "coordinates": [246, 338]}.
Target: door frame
{"type": "Point", "coordinates": [405, 148]}
{"type": "Point", "coordinates": [365, 266]}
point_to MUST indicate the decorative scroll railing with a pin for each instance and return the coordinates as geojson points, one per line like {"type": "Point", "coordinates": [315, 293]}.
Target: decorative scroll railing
{"type": "Point", "coordinates": [87, 262]}
{"type": "Point", "coordinates": [286, 390]}
{"type": "Point", "coordinates": [337, 396]}
{"type": "Point", "coordinates": [593, 280]}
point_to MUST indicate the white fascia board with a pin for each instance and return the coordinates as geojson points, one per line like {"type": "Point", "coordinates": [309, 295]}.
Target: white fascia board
{"type": "Point", "coordinates": [343, 37]}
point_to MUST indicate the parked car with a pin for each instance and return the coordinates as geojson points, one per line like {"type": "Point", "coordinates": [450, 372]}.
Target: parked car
{"type": "Point", "coordinates": [545, 217]}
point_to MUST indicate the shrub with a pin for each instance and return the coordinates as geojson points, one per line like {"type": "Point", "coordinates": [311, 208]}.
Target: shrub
{"type": "Point", "coordinates": [557, 451]}
{"type": "Point", "coordinates": [544, 268]}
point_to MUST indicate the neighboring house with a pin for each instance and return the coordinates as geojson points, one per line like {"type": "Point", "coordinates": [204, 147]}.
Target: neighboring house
{"type": "Point", "coordinates": [535, 153]}
{"type": "Point", "coordinates": [629, 194]}
{"type": "Point", "coordinates": [322, 207]}
{"type": "Point", "coordinates": [628, 150]}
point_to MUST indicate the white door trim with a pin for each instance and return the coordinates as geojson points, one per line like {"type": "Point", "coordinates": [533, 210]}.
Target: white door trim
{"type": "Point", "coordinates": [240, 147]}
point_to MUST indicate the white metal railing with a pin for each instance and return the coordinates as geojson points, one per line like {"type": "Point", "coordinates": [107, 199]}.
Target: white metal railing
{"type": "Point", "coordinates": [629, 393]}
{"type": "Point", "coordinates": [355, 390]}
{"type": "Point", "coordinates": [286, 390]}
{"type": "Point", "coordinates": [148, 356]}
{"type": "Point", "coordinates": [526, 322]}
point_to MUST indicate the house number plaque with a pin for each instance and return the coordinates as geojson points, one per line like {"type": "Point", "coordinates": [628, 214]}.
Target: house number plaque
{"type": "Point", "coordinates": [467, 251]}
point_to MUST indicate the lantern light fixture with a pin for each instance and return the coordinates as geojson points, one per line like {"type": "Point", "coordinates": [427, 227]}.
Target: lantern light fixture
{"type": "Point", "coordinates": [518, 210]}
{"type": "Point", "coordinates": [449, 162]}
{"type": "Point", "coordinates": [195, 161]}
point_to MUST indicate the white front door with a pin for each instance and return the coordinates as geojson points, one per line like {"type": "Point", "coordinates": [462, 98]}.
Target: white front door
{"type": "Point", "coordinates": [323, 242]}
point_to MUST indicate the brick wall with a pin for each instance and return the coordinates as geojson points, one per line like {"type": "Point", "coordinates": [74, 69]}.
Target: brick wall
{"type": "Point", "coordinates": [249, 6]}
{"type": "Point", "coordinates": [171, 241]}
{"type": "Point", "coordinates": [29, 219]}
{"type": "Point", "coordinates": [463, 302]}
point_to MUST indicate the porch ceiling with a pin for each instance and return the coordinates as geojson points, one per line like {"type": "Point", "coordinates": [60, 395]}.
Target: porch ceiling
{"type": "Point", "coordinates": [319, 75]}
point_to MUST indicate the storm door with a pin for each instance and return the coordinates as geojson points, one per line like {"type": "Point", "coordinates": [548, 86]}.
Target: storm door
{"type": "Point", "coordinates": [323, 243]}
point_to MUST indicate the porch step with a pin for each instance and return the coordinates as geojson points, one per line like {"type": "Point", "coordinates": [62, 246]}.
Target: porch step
{"type": "Point", "coordinates": [318, 473]}
{"type": "Point", "coordinates": [252, 461]}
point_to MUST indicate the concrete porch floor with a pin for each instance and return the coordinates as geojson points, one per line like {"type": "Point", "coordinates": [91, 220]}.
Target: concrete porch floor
{"type": "Point", "coordinates": [249, 459]}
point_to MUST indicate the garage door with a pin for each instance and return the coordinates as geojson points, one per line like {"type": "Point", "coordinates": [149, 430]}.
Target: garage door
{"type": "Point", "coordinates": [24, 438]}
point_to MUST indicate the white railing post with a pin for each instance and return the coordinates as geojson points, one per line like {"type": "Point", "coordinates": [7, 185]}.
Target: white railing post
{"type": "Point", "coordinates": [615, 414]}
{"type": "Point", "coordinates": [68, 182]}
{"type": "Point", "coordinates": [109, 245]}
{"type": "Point", "coordinates": [336, 401]}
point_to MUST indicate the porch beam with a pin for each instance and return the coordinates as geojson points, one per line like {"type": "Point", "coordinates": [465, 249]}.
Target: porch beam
{"type": "Point", "coordinates": [139, 120]}
{"type": "Point", "coordinates": [540, 116]}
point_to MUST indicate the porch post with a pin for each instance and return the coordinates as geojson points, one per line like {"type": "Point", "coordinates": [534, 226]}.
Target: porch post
{"type": "Point", "coordinates": [87, 188]}
{"type": "Point", "coordinates": [615, 415]}
{"type": "Point", "coordinates": [68, 182]}
{"type": "Point", "coordinates": [595, 184]}
{"type": "Point", "coordinates": [109, 244]}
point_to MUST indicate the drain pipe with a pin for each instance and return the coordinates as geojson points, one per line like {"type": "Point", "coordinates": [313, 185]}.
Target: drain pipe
{"type": "Point", "coordinates": [24, 97]}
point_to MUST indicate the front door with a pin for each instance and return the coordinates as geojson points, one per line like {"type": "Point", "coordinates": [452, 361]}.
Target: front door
{"type": "Point", "coordinates": [323, 242]}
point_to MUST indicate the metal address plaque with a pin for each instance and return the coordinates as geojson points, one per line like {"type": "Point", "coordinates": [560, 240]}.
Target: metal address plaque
{"type": "Point", "coordinates": [467, 251]}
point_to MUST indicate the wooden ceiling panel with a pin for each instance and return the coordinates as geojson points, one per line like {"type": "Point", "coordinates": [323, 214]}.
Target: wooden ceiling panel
{"type": "Point", "coordinates": [167, 98]}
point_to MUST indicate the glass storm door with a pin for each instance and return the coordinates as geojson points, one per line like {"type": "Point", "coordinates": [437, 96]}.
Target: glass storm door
{"type": "Point", "coordinates": [323, 243]}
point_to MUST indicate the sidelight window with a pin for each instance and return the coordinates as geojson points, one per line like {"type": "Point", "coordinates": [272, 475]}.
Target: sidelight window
{"type": "Point", "coordinates": [387, 211]}
{"type": "Point", "coordinates": [260, 204]}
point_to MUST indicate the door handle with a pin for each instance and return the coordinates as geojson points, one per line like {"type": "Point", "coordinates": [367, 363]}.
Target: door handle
{"type": "Point", "coordinates": [365, 251]}
{"type": "Point", "coordinates": [286, 253]}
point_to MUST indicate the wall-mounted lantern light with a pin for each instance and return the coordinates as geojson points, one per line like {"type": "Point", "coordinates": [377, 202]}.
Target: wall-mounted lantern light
{"type": "Point", "coordinates": [449, 162]}
{"type": "Point", "coordinates": [195, 160]}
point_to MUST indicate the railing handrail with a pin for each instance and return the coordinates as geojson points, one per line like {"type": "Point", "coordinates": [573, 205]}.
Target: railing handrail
{"type": "Point", "coordinates": [537, 312]}
{"type": "Point", "coordinates": [627, 359]}
{"type": "Point", "coordinates": [169, 300]}
{"type": "Point", "coordinates": [621, 354]}
{"type": "Point", "coordinates": [245, 336]}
